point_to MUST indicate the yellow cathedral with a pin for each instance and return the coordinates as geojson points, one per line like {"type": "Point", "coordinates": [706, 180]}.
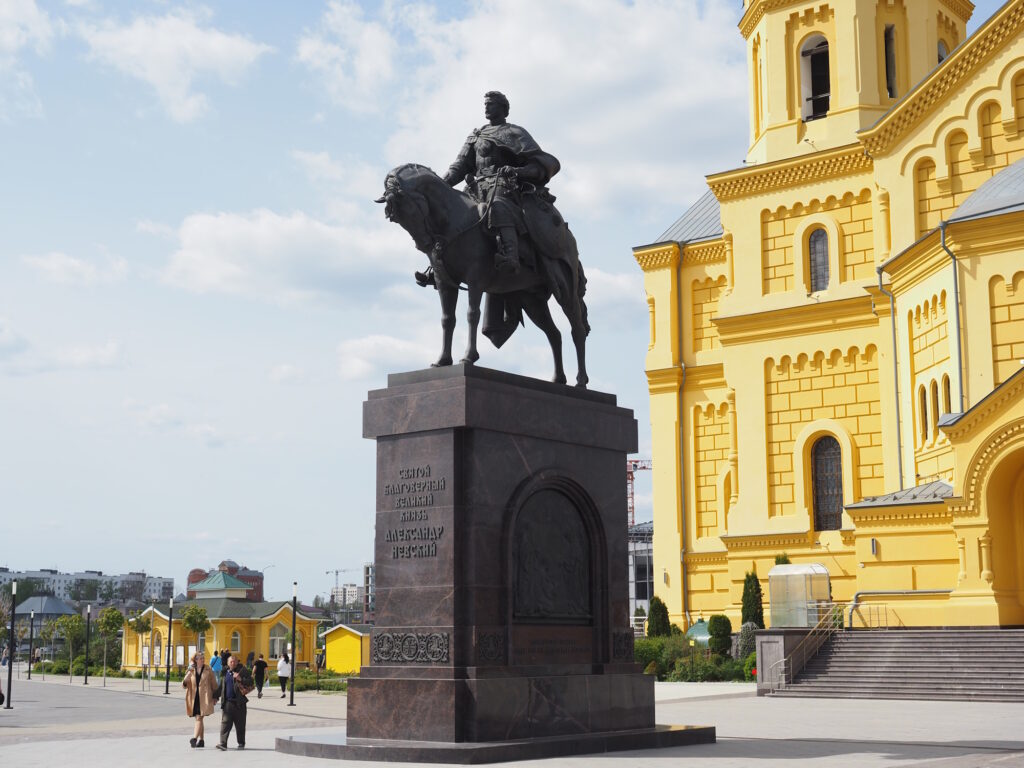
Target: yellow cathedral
{"type": "Point", "coordinates": [837, 328]}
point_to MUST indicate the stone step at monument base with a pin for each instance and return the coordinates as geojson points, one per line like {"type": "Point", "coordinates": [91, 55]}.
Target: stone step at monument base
{"type": "Point", "coordinates": [337, 746]}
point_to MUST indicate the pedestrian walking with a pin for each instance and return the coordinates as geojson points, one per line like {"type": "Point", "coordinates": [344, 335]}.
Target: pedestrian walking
{"type": "Point", "coordinates": [215, 665]}
{"type": "Point", "coordinates": [259, 675]}
{"type": "Point", "coordinates": [234, 689]}
{"type": "Point", "coordinates": [200, 686]}
{"type": "Point", "coordinates": [249, 659]}
{"type": "Point", "coordinates": [284, 671]}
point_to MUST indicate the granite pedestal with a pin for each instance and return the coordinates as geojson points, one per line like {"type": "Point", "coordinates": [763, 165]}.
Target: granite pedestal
{"type": "Point", "coordinates": [502, 615]}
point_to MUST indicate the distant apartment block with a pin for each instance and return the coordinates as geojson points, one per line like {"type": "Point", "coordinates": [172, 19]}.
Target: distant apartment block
{"type": "Point", "coordinates": [84, 585]}
{"type": "Point", "coordinates": [348, 594]}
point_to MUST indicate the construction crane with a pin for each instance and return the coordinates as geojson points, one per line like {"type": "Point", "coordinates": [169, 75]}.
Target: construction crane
{"type": "Point", "coordinates": [633, 466]}
{"type": "Point", "coordinates": [337, 571]}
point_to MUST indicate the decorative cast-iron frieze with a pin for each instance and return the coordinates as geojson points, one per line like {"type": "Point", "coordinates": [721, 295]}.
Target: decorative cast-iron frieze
{"type": "Point", "coordinates": [409, 647]}
{"type": "Point", "coordinates": [490, 646]}
{"type": "Point", "coordinates": [622, 645]}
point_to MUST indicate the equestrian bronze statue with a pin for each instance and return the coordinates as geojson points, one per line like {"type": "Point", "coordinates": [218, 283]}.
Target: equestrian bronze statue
{"type": "Point", "coordinates": [502, 238]}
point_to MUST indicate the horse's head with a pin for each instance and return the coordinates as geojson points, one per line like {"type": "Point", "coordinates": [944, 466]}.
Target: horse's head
{"type": "Point", "coordinates": [407, 202]}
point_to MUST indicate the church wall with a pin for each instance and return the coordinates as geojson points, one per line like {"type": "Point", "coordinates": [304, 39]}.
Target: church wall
{"type": "Point", "coordinates": [1007, 322]}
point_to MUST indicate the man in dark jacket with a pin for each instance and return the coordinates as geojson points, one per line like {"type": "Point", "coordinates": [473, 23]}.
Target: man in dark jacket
{"type": "Point", "coordinates": [232, 702]}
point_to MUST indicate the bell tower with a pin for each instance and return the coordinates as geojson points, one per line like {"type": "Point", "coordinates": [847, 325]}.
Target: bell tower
{"type": "Point", "coordinates": [821, 71]}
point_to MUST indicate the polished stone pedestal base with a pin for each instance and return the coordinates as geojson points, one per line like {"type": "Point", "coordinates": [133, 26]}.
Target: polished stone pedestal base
{"type": "Point", "coordinates": [338, 747]}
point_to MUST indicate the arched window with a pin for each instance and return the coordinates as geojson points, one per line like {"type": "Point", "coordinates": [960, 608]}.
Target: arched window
{"type": "Point", "coordinates": [157, 659]}
{"type": "Point", "coordinates": [236, 642]}
{"type": "Point", "coordinates": [278, 633]}
{"type": "Point", "coordinates": [827, 484]}
{"type": "Point", "coordinates": [924, 414]}
{"type": "Point", "coordinates": [945, 395]}
{"type": "Point", "coordinates": [814, 78]}
{"type": "Point", "coordinates": [890, 60]}
{"type": "Point", "coordinates": [935, 409]}
{"type": "Point", "coordinates": [943, 51]}
{"type": "Point", "coordinates": [201, 642]}
{"type": "Point", "coordinates": [817, 257]}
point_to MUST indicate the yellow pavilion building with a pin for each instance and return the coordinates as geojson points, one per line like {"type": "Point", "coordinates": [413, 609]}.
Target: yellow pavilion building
{"type": "Point", "coordinates": [239, 625]}
{"type": "Point", "coordinates": [837, 327]}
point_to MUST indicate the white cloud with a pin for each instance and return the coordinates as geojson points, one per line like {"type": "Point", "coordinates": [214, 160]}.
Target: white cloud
{"type": "Point", "coordinates": [23, 25]}
{"type": "Point", "coordinates": [318, 165]}
{"type": "Point", "coordinates": [104, 355]}
{"type": "Point", "coordinates": [11, 342]}
{"type": "Point", "coordinates": [352, 56]}
{"type": "Point", "coordinates": [285, 257]}
{"type": "Point", "coordinates": [605, 289]}
{"type": "Point", "coordinates": [61, 268]}
{"type": "Point", "coordinates": [286, 373]}
{"type": "Point", "coordinates": [585, 97]}
{"type": "Point", "coordinates": [161, 418]}
{"type": "Point", "coordinates": [372, 356]}
{"type": "Point", "coordinates": [170, 53]}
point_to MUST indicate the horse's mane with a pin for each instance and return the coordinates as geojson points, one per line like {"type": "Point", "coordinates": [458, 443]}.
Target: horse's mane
{"type": "Point", "coordinates": [409, 173]}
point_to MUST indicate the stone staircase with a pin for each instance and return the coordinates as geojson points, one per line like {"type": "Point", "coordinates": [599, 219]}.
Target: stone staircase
{"type": "Point", "coordinates": [962, 664]}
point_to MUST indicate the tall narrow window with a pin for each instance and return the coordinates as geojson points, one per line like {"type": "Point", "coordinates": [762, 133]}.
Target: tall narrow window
{"type": "Point", "coordinates": [236, 642]}
{"type": "Point", "coordinates": [945, 395]}
{"type": "Point", "coordinates": [815, 81]}
{"type": "Point", "coordinates": [827, 484]}
{"type": "Point", "coordinates": [277, 640]}
{"type": "Point", "coordinates": [943, 51]}
{"type": "Point", "coordinates": [935, 409]}
{"type": "Point", "coordinates": [890, 60]}
{"type": "Point", "coordinates": [201, 642]}
{"type": "Point", "coordinates": [817, 253]}
{"type": "Point", "coordinates": [924, 415]}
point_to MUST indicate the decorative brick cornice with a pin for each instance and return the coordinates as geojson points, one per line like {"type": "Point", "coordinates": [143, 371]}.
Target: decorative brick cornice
{"type": "Point", "coordinates": [756, 11]}
{"type": "Point", "coordinates": [841, 314]}
{"type": "Point", "coordinates": [657, 257]}
{"type": "Point", "coordinates": [962, 9]}
{"type": "Point", "coordinates": [664, 380]}
{"type": "Point", "coordinates": [903, 515]}
{"type": "Point", "coordinates": [707, 558]}
{"type": "Point", "coordinates": [961, 64]}
{"type": "Point", "coordinates": [705, 376]}
{"type": "Point", "coordinates": [1008, 439]}
{"type": "Point", "coordinates": [831, 164]}
{"type": "Point", "coordinates": [768, 540]}
{"type": "Point", "coordinates": [1008, 391]}
{"type": "Point", "coordinates": [710, 252]}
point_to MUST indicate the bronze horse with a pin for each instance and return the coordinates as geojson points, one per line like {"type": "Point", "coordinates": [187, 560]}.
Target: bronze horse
{"type": "Point", "coordinates": [447, 225]}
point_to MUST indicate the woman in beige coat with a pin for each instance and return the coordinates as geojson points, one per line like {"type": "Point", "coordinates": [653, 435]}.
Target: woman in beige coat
{"type": "Point", "coordinates": [199, 685]}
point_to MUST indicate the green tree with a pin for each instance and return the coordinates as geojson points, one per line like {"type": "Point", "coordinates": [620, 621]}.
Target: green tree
{"type": "Point", "coordinates": [753, 601]}
{"type": "Point", "coordinates": [109, 623]}
{"type": "Point", "coordinates": [720, 631]}
{"type": "Point", "coordinates": [46, 633]}
{"type": "Point", "coordinates": [195, 620]}
{"type": "Point", "coordinates": [782, 559]}
{"type": "Point", "coordinates": [72, 629]}
{"type": "Point", "coordinates": [657, 623]}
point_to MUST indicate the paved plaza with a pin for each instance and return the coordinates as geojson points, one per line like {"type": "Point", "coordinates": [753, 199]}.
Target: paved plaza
{"type": "Point", "coordinates": [54, 723]}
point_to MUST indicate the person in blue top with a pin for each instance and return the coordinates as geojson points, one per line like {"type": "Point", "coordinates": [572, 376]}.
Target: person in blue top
{"type": "Point", "coordinates": [216, 666]}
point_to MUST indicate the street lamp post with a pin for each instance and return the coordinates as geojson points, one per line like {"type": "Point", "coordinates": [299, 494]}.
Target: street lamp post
{"type": "Point", "coordinates": [10, 644]}
{"type": "Point", "coordinates": [88, 622]}
{"type": "Point", "coordinates": [295, 642]}
{"type": "Point", "coordinates": [31, 621]}
{"type": "Point", "coordinates": [170, 645]}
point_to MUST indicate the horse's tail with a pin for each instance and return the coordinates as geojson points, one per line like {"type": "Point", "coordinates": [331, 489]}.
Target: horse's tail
{"type": "Point", "coordinates": [581, 291]}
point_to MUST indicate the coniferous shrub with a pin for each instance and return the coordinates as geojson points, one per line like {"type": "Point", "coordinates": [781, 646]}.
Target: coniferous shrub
{"type": "Point", "coordinates": [657, 622]}
{"type": "Point", "coordinates": [753, 601]}
{"type": "Point", "coordinates": [782, 559]}
{"type": "Point", "coordinates": [748, 642]}
{"type": "Point", "coordinates": [720, 629]}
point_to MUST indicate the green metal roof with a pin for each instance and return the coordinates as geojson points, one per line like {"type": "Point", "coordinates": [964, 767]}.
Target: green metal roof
{"type": "Point", "coordinates": [219, 580]}
{"type": "Point", "coordinates": [232, 608]}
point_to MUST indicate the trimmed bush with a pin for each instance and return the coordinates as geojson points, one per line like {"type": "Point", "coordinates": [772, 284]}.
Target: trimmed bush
{"type": "Point", "coordinates": [782, 559]}
{"type": "Point", "coordinates": [748, 642]}
{"type": "Point", "coordinates": [651, 669]}
{"type": "Point", "coordinates": [750, 667]}
{"type": "Point", "coordinates": [720, 629]}
{"type": "Point", "coordinates": [657, 622]}
{"type": "Point", "coordinates": [753, 601]}
{"type": "Point", "coordinates": [647, 650]}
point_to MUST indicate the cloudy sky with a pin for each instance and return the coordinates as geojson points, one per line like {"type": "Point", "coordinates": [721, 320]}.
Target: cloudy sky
{"type": "Point", "coordinates": [196, 289]}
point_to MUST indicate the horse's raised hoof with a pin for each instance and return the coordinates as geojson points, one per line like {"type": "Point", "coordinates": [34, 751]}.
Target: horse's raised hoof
{"type": "Point", "coordinates": [441, 363]}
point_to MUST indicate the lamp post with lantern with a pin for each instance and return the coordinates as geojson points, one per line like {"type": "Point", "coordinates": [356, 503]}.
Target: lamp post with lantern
{"type": "Point", "coordinates": [10, 644]}
{"type": "Point", "coordinates": [88, 623]}
{"type": "Point", "coordinates": [295, 642]}
{"type": "Point", "coordinates": [170, 646]}
{"type": "Point", "coordinates": [31, 622]}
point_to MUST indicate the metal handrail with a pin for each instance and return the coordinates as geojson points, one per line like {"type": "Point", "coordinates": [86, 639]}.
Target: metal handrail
{"type": "Point", "coordinates": [828, 624]}
{"type": "Point", "coordinates": [886, 592]}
